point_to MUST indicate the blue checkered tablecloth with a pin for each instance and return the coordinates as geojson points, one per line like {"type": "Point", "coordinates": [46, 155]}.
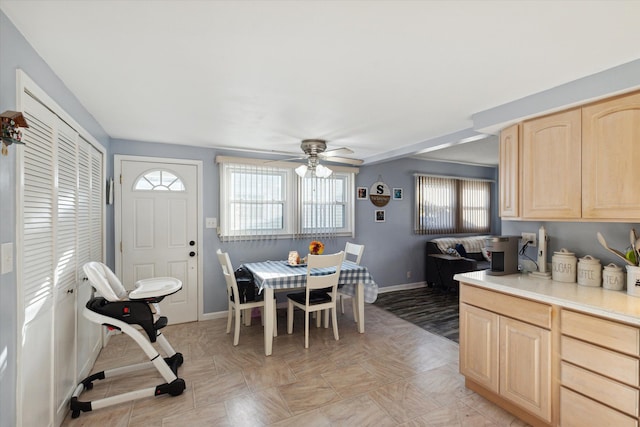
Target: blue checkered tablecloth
{"type": "Point", "coordinates": [281, 275]}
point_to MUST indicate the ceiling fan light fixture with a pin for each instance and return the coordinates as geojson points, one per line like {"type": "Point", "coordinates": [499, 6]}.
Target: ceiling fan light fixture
{"type": "Point", "coordinates": [323, 171]}
{"type": "Point", "coordinates": [301, 170]}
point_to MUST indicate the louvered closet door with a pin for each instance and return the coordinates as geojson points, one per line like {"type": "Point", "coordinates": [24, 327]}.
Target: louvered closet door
{"type": "Point", "coordinates": [35, 374]}
{"type": "Point", "coordinates": [65, 269]}
{"type": "Point", "coordinates": [90, 241]}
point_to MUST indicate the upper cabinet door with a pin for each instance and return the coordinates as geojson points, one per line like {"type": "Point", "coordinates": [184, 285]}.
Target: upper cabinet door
{"type": "Point", "coordinates": [508, 172]}
{"type": "Point", "coordinates": [551, 167]}
{"type": "Point", "coordinates": [611, 159]}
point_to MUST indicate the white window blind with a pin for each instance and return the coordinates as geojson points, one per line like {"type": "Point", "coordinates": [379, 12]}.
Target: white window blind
{"type": "Point", "coordinates": [266, 200]}
{"type": "Point", "coordinates": [452, 205]}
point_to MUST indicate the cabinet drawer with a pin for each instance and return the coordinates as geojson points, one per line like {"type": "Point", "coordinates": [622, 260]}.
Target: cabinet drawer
{"type": "Point", "coordinates": [606, 333]}
{"type": "Point", "coordinates": [601, 360]}
{"type": "Point", "coordinates": [518, 308]}
{"type": "Point", "coordinates": [579, 411]}
{"type": "Point", "coordinates": [605, 390]}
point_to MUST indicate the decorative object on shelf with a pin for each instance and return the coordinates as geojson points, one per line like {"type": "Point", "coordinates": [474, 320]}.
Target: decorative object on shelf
{"type": "Point", "coordinates": [362, 193]}
{"type": "Point", "coordinates": [379, 215]}
{"type": "Point", "coordinates": [397, 194]}
{"type": "Point", "coordinates": [379, 193]}
{"type": "Point", "coordinates": [12, 121]}
{"type": "Point", "coordinates": [316, 247]}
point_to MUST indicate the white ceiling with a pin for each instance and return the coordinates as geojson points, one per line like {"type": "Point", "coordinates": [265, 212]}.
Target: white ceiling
{"type": "Point", "coordinates": [374, 76]}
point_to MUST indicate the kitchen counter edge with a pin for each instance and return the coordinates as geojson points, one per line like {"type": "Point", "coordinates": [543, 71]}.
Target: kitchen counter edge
{"type": "Point", "coordinates": [615, 305]}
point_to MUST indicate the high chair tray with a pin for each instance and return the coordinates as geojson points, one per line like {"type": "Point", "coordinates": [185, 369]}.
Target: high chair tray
{"type": "Point", "coordinates": [155, 287]}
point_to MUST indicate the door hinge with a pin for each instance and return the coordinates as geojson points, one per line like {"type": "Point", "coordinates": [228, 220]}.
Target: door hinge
{"type": "Point", "coordinates": [121, 246]}
{"type": "Point", "coordinates": [121, 179]}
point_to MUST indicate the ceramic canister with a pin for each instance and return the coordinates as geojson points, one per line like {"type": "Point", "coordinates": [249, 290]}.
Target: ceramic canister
{"type": "Point", "coordinates": [563, 265]}
{"type": "Point", "coordinates": [613, 277]}
{"type": "Point", "coordinates": [589, 271]}
{"type": "Point", "coordinates": [633, 280]}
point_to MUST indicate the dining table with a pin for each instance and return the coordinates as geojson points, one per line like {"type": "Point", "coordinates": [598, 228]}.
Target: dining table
{"type": "Point", "coordinates": [355, 280]}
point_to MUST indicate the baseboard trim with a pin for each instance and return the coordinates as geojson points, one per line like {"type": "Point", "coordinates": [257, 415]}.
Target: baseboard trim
{"type": "Point", "coordinates": [402, 287]}
{"type": "Point", "coordinates": [214, 315]}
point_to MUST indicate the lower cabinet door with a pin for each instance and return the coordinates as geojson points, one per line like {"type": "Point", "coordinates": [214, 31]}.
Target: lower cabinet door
{"type": "Point", "coordinates": [525, 366]}
{"type": "Point", "coordinates": [479, 346]}
{"type": "Point", "coordinates": [577, 410]}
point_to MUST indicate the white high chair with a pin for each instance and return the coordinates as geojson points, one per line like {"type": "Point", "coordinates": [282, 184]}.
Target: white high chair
{"type": "Point", "coordinates": [130, 313]}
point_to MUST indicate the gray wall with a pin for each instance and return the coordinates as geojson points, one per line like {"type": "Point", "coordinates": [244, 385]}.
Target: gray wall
{"type": "Point", "coordinates": [391, 248]}
{"type": "Point", "coordinates": [578, 237]}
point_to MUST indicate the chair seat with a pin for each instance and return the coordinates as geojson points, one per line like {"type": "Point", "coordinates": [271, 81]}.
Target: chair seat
{"type": "Point", "coordinates": [315, 297]}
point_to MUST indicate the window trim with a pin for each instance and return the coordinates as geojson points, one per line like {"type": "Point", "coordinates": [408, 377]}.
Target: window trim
{"type": "Point", "coordinates": [292, 214]}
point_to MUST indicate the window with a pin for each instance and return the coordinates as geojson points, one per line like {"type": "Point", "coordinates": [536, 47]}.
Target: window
{"type": "Point", "coordinates": [452, 205]}
{"type": "Point", "coordinates": [158, 180]}
{"type": "Point", "coordinates": [260, 200]}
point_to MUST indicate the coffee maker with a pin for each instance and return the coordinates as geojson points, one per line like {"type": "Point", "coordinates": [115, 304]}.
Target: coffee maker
{"type": "Point", "coordinates": [504, 254]}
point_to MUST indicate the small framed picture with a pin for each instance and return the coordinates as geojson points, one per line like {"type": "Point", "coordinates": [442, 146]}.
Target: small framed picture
{"type": "Point", "coordinates": [362, 193]}
{"type": "Point", "coordinates": [379, 215]}
{"type": "Point", "coordinates": [397, 194]}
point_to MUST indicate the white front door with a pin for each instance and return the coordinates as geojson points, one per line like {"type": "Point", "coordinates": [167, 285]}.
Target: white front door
{"type": "Point", "coordinates": [159, 230]}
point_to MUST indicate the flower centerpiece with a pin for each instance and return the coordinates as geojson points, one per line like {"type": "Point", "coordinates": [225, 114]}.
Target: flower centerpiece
{"type": "Point", "coordinates": [316, 247]}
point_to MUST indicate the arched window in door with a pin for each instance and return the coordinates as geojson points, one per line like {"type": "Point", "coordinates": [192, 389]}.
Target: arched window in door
{"type": "Point", "coordinates": [158, 180]}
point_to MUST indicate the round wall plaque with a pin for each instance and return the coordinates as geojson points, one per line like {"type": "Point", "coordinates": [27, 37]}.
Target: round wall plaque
{"type": "Point", "coordinates": [379, 193]}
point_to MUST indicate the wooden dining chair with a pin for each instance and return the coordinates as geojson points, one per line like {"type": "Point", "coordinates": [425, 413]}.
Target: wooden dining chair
{"type": "Point", "coordinates": [235, 304]}
{"type": "Point", "coordinates": [315, 298]}
{"type": "Point", "coordinates": [352, 252]}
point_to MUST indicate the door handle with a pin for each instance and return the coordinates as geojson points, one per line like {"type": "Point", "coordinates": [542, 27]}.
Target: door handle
{"type": "Point", "coordinates": [192, 243]}
{"type": "Point", "coordinates": [192, 254]}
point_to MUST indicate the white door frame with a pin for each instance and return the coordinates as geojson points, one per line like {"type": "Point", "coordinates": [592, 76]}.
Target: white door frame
{"type": "Point", "coordinates": [117, 169]}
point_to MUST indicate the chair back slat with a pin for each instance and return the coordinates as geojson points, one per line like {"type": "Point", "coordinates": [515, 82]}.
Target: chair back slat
{"type": "Point", "coordinates": [325, 280]}
{"type": "Point", "coordinates": [229, 276]}
{"type": "Point", "coordinates": [353, 252]}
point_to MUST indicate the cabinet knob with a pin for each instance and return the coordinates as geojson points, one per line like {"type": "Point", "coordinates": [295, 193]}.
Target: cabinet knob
{"type": "Point", "coordinates": [192, 254]}
{"type": "Point", "coordinates": [192, 243]}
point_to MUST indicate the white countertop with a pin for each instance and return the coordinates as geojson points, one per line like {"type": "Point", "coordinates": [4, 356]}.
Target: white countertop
{"type": "Point", "coordinates": [615, 305]}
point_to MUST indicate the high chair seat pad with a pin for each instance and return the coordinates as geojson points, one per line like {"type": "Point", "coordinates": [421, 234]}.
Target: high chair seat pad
{"type": "Point", "coordinates": [155, 287]}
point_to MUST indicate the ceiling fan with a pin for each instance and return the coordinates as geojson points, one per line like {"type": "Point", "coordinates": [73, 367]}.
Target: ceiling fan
{"type": "Point", "coordinates": [316, 149]}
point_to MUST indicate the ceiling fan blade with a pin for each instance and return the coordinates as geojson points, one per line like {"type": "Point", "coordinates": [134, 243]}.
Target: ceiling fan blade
{"type": "Point", "coordinates": [287, 159]}
{"type": "Point", "coordinates": [337, 152]}
{"type": "Point", "coordinates": [346, 160]}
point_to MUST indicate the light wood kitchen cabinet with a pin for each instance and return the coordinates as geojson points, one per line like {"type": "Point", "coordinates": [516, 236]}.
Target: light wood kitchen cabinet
{"type": "Point", "coordinates": [610, 158]}
{"type": "Point", "coordinates": [505, 347]}
{"type": "Point", "coordinates": [550, 160]}
{"type": "Point", "coordinates": [600, 371]}
{"type": "Point", "coordinates": [578, 164]}
{"type": "Point", "coordinates": [479, 346]}
{"type": "Point", "coordinates": [509, 172]}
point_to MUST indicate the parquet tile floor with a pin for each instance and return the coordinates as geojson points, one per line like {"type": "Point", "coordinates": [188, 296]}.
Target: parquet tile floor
{"type": "Point", "coordinates": [395, 374]}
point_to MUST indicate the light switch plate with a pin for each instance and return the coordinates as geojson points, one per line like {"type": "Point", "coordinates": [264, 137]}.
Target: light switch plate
{"type": "Point", "coordinates": [211, 222]}
{"type": "Point", "coordinates": [6, 258]}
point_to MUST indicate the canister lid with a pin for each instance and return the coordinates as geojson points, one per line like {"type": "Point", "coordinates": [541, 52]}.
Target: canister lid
{"type": "Point", "coordinates": [564, 252]}
{"type": "Point", "coordinates": [588, 259]}
{"type": "Point", "coordinates": [612, 267]}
